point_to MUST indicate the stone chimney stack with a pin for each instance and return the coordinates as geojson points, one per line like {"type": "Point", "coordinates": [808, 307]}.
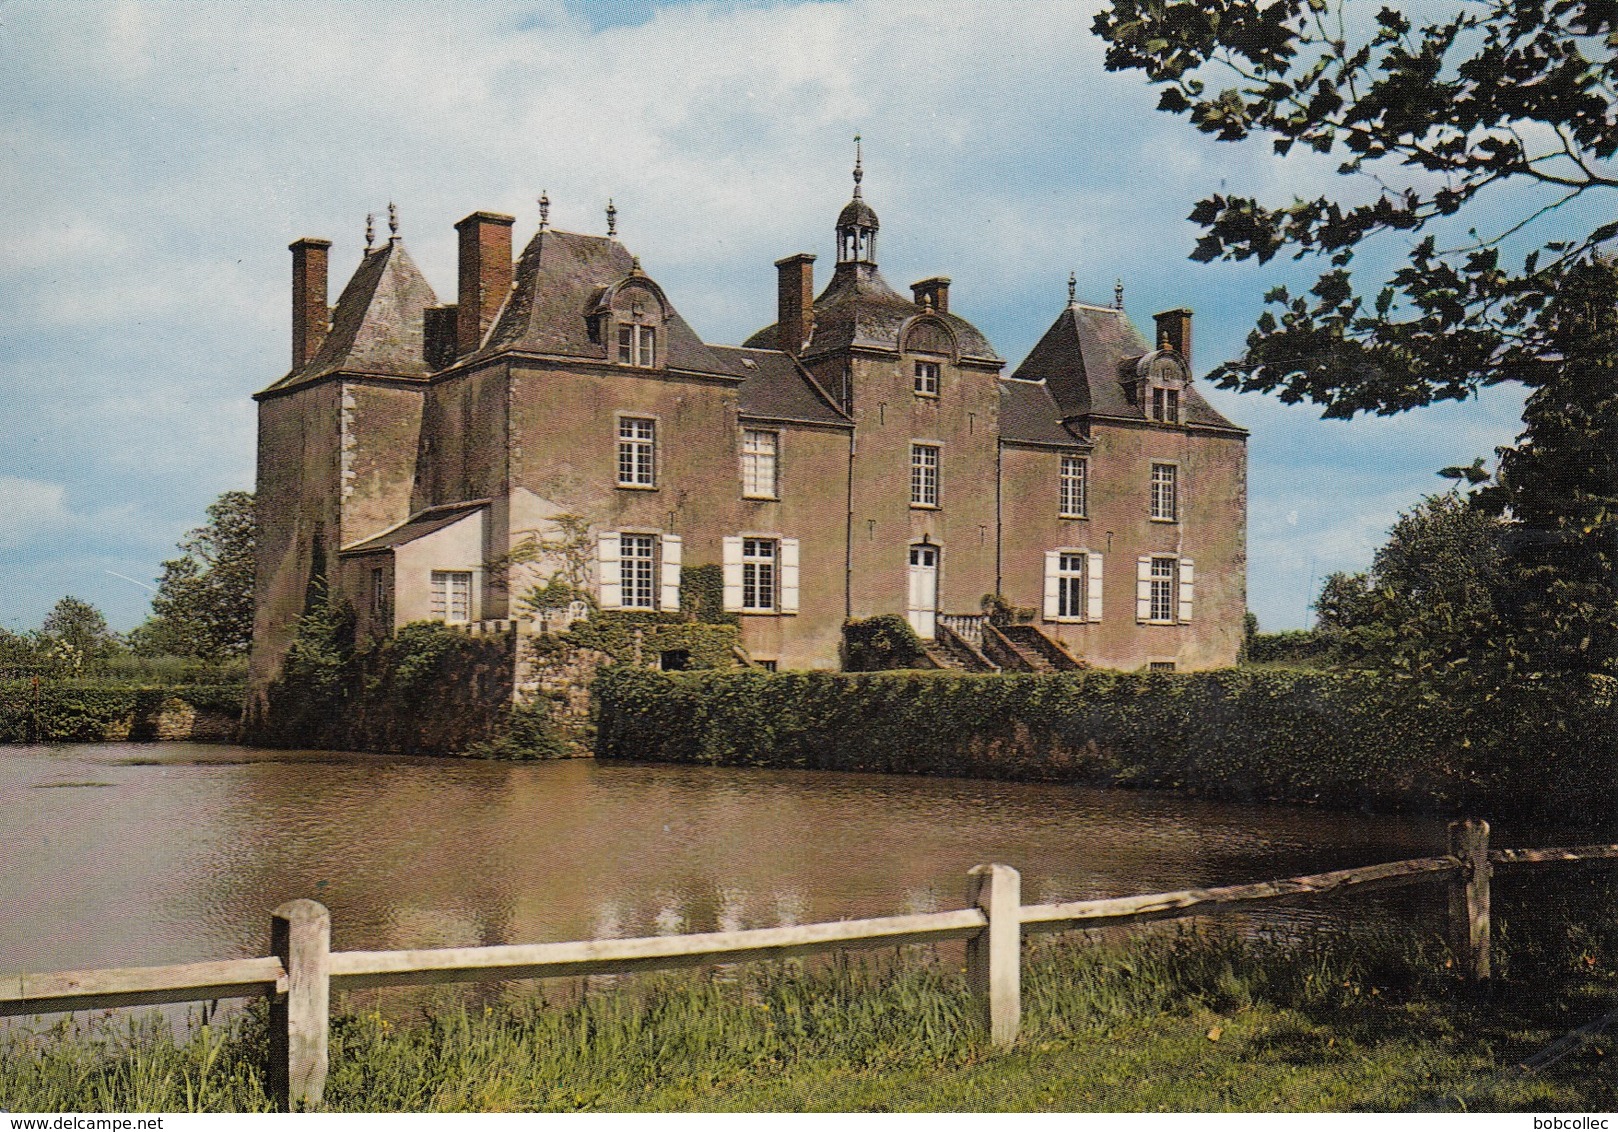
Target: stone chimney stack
{"type": "Point", "coordinates": [485, 276]}
{"type": "Point", "coordinates": [795, 305]}
{"type": "Point", "coordinates": [932, 292]}
{"type": "Point", "coordinates": [1174, 327]}
{"type": "Point", "coordinates": [311, 317]}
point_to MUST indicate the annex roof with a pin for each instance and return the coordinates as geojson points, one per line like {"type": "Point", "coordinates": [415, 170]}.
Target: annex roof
{"type": "Point", "coordinates": [419, 525]}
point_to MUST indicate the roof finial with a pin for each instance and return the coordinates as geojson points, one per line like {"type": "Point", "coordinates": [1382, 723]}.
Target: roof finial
{"type": "Point", "coordinates": [393, 221]}
{"type": "Point", "coordinates": [612, 218]}
{"type": "Point", "coordinates": [634, 266]}
{"type": "Point", "coordinates": [859, 172]}
{"type": "Point", "coordinates": [544, 209]}
{"type": "Point", "coordinates": [1118, 295]}
{"type": "Point", "coordinates": [1072, 286]}
{"type": "Point", "coordinates": [370, 230]}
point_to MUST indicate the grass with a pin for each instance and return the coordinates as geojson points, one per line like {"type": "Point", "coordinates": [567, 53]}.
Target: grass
{"type": "Point", "coordinates": [1183, 1021]}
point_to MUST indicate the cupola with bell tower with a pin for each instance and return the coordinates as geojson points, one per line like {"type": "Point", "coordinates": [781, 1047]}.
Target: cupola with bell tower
{"type": "Point", "coordinates": [857, 223]}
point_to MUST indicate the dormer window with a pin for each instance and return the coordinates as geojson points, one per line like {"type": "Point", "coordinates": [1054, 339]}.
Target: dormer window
{"type": "Point", "coordinates": [1166, 404]}
{"type": "Point", "coordinates": [926, 379]}
{"type": "Point", "coordinates": [1161, 379]}
{"type": "Point", "coordinates": [637, 345]}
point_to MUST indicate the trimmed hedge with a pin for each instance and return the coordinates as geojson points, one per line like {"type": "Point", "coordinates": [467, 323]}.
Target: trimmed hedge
{"type": "Point", "coordinates": [1343, 739]}
{"type": "Point", "coordinates": [64, 712]}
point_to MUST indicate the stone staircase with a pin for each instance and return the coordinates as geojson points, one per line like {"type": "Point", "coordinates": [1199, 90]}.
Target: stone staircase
{"type": "Point", "coordinates": [953, 649]}
{"type": "Point", "coordinates": [1023, 648]}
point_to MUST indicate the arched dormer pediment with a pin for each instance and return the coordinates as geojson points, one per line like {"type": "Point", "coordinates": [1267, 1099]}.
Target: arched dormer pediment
{"type": "Point", "coordinates": [929, 334]}
{"type": "Point", "coordinates": [1163, 366]}
{"type": "Point", "coordinates": [628, 319]}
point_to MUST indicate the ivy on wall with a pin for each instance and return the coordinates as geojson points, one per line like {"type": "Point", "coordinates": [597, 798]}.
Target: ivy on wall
{"type": "Point", "coordinates": [62, 713]}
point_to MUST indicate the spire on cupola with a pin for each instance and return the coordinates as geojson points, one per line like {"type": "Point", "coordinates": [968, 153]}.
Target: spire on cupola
{"type": "Point", "coordinates": [857, 223]}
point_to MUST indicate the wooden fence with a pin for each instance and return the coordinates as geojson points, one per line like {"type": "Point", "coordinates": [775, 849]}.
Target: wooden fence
{"type": "Point", "coordinates": [301, 971]}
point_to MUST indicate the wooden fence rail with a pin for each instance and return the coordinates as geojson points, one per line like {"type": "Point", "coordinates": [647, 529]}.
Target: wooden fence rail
{"type": "Point", "coordinates": [302, 970]}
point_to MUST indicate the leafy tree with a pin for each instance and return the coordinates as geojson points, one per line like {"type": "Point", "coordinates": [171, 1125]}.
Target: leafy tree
{"type": "Point", "coordinates": [1516, 99]}
{"type": "Point", "coordinates": [204, 601]}
{"type": "Point", "coordinates": [1429, 600]}
{"type": "Point", "coordinates": [1559, 485]}
{"type": "Point", "coordinates": [75, 636]}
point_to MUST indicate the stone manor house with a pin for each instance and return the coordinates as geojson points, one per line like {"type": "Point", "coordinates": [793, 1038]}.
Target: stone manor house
{"type": "Point", "coordinates": [866, 454]}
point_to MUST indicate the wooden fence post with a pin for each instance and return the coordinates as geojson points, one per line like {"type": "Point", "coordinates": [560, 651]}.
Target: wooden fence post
{"type": "Point", "coordinates": [1469, 898]}
{"type": "Point", "coordinates": [993, 955]}
{"type": "Point", "coordinates": [300, 937]}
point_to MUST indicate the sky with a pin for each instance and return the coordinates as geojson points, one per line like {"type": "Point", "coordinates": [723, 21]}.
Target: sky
{"type": "Point", "coordinates": [160, 157]}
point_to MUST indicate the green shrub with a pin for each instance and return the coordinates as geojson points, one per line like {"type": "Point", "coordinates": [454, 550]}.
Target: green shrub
{"type": "Point", "coordinates": [878, 643]}
{"type": "Point", "coordinates": [1345, 739]}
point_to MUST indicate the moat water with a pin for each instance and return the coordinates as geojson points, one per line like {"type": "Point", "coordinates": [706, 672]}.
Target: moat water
{"type": "Point", "coordinates": [136, 854]}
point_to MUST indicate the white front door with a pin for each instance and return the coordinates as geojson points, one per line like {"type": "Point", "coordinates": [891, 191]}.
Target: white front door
{"type": "Point", "coordinates": [923, 590]}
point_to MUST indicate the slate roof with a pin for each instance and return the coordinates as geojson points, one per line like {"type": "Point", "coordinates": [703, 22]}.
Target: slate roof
{"type": "Point", "coordinates": [1029, 413]}
{"type": "Point", "coordinates": [419, 525]}
{"type": "Point", "coordinates": [1087, 359]}
{"type": "Point", "coordinates": [774, 388]}
{"type": "Point", "coordinates": [560, 278]}
{"type": "Point", "coordinates": [377, 323]}
{"type": "Point", "coordinates": [858, 308]}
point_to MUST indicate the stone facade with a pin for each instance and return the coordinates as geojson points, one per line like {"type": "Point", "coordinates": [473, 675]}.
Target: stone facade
{"type": "Point", "coordinates": [865, 455]}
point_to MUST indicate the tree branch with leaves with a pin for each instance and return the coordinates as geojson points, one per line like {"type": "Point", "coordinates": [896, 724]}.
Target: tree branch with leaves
{"type": "Point", "coordinates": [1433, 118]}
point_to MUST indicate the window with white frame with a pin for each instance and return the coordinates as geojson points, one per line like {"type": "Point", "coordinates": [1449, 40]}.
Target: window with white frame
{"type": "Point", "coordinates": [926, 381]}
{"type": "Point", "coordinates": [1075, 486]}
{"type": "Point", "coordinates": [1070, 585]}
{"type": "Point", "coordinates": [451, 596]}
{"type": "Point", "coordinates": [1165, 492]}
{"type": "Point", "coordinates": [637, 345]}
{"type": "Point", "coordinates": [1165, 404]}
{"type": "Point", "coordinates": [1164, 590]}
{"type": "Point", "coordinates": [379, 591]}
{"type": "Point", "coordinates": [637, 452]}
{"type": "Point", "coordinates": [638, 571]}
{"type": "Point", "coordinates": [758, 575]}
{"type": "Point", "coordinates": [761, 450]}
{"type": "Point", "coordinates": [924, 475]}
{"type": "Point", "coordinates": [1165, 580]}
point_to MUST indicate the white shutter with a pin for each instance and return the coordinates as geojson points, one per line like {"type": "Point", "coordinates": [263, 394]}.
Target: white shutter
{"type": "Point", "coordinates": [610, 570]}
{"type": "Point", "coordinates": [1053, 585]}
{"type": "Point", "coordinates": [733, 574]}
{"type": "Point", "coordinates": [789, 575]}
{"type": "Point", "coordinates": [1092, 610]}
{"type": "Point", "coordinates": [669, 599]}
{"type": "Point", "coordinates": [1185, 589]}
{"type": "Point", "coordinates": [1143, 588]}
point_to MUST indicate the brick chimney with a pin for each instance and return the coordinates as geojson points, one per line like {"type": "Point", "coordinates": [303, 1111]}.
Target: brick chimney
{"type": "Point", "coordinates": [311, 317]}
{"type": "Point", "coordinates": [485, 268]}
{"type": "Point", "coordinates": [1174, 327]}
{"type": "Point", "coordinates": [795, 301]}
{"type": "Point", "coordinates": [934, 292]}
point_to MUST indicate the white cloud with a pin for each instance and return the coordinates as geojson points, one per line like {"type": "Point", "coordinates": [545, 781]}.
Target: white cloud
{"type": "Point", "coordinates": [160, 156]}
